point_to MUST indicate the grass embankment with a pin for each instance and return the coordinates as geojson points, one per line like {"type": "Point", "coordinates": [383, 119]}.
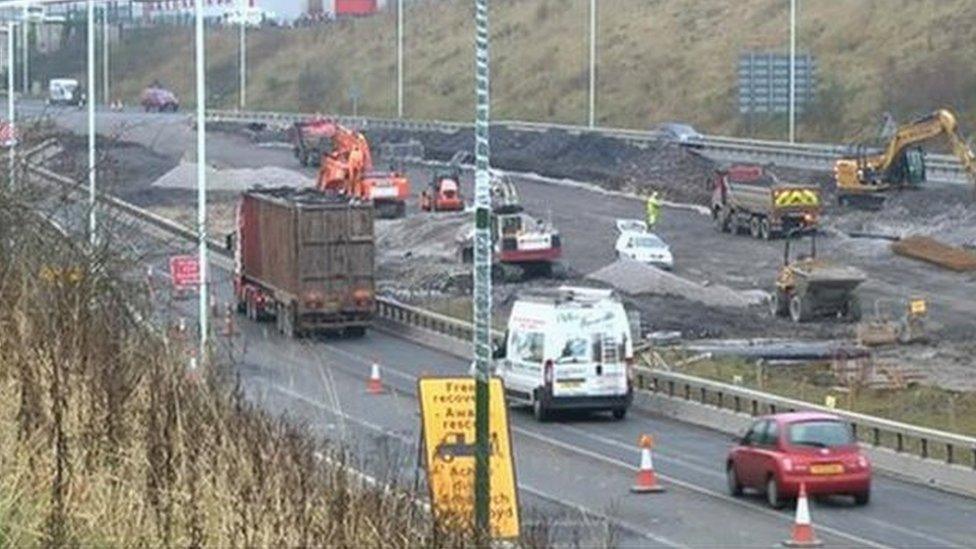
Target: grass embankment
{"type": "Point", "coordinates": [105, 440]}
{"type": "Point", "coordinates": [918, 405]}
{"type": "Point", "coordinates": [657, 61]}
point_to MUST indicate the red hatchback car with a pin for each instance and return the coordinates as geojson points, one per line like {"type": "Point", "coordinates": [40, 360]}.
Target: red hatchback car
{"type": "Point", "coordinates": [779, 452]}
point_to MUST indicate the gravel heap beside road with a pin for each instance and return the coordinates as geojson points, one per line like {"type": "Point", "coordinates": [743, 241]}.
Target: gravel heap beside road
{"type": "Point", "coordinates": [634, 278]}
{"type": "Point", "coordinates": [184, 176]}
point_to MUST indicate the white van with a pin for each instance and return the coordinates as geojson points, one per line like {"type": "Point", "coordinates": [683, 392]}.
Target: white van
{"type": "Point", "coordinates": [64, 91]}
{"type": "Point", "coordinates": [568, 348]}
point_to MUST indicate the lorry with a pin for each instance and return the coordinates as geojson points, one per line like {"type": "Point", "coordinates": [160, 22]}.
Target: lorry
{"type": "Point", "coordinates": [305, 259]}
{"type": "Point", "coordinates": [568, 348]}
{"type": "Point", "coordinates": [747, 198]}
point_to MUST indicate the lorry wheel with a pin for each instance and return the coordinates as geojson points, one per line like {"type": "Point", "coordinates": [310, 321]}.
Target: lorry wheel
{"type": "Point", "coordinates": [765, 232]}
{"type": "Point", "coordinates": [721, 221]}
{"type": "Point", "coordinates": [539, 409]}
{"type": "Point", "coordinates": [799, 308]}
{"type": "Point", "coordinates": [779, 303]}
{"type": "Point", "coordinates": [853, 309]}
{"type": "Point", "coordinates": [754, 229]}
{"type": "Point", "coordinates": [355, 331]}
{"type": "Point", "coordinates": [619, 413]}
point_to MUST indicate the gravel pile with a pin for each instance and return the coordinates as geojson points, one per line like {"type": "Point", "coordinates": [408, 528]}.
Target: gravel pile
{"type": "Point", "coordinates": [184, 176]}
{"type": "Point", "coordinates": [636, 279]}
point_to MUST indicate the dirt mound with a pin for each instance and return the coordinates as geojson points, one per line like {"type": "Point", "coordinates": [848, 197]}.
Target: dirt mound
{"type": "Point", "coordinates": [608, 162]}
{"type": "Point", "coordinates": [636, 278]}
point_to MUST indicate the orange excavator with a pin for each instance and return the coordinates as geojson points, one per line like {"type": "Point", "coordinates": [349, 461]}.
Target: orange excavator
{"type": "Point", "coordinates": [348, 169]}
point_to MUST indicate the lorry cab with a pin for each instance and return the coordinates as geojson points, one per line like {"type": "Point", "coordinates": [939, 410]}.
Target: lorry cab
{"type": "Point", "coordinates": [64, 91]}
{"type": "Point", "coordinates": [568, 348]}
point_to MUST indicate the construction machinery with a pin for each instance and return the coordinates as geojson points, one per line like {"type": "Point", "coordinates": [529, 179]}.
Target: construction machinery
{"type": "Point", "coordinates": [522, 244]}
{"type": "Point", "coordinates": [347, 168]}
{"type": "Point", "coordinates": [901, 164]}
{"type": "Point", "coordinates": [884, 328]}
{"type": "Point", "coordinates": [443, 193]}
{"type": "Point", "coordinates": [311, 139]}
{"type": "Point", "coordinates": [808, 287]}
{"type": "Point", "coordinates": [748, 199]}
{"type": "Point", "coordinates": [305, 259]}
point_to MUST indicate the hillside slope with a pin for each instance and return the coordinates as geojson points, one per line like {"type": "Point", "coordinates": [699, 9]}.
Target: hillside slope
{"type": "Point", "coordinates": [658, 60]}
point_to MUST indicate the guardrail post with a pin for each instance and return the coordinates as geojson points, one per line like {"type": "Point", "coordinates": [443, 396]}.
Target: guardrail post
{"type": "Point", "coordinates": [974, 458]}
{"type": "Point", "coordinates": [772, 408]}
{"type": "Point", "coordinates": [671, 392]}
{"type": "Point", "coordinates": [687, 391]}
{"type": "Point", "coordinates": [900, 445]}
{"type": "Point", "coordinates": [949, 453]}
{"type": "Point", "coordinates": [877, 436]}
{"type": "Point", "coordinates": [721, 399]}
{"type": "Point", "coordinates": [755, 407]}
{"type": "Point", "coordinates": [854, 430]}
{"type": "Point", "coordinates": [703, 395]}
{"type": "Point", "coordinates": [925, 447]}
{"type": "Point", "coordinates": [738, 404]}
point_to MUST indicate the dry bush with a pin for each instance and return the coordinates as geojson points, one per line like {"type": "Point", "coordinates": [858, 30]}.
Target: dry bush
{"type": "Point", "coordinates": [105, 440]}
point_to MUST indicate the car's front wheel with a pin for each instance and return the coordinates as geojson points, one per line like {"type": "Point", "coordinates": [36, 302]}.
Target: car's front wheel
{"type": "Point", "coordinates": [773, 497]}
{"type": "Point", "coordinates": [735, 487]}
{"type": "Point", "coordinates": [863, 498]}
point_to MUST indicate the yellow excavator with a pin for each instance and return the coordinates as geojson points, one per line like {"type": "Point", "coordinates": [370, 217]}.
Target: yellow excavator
{"type": "Point", "coordinates": [861, 177]}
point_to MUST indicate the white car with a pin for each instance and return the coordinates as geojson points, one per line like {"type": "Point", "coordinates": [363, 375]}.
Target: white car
{"type": "Point", "coordinates": [642, 246]}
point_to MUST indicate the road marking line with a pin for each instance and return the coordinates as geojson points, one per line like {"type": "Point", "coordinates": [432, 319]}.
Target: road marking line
{"type": "Point", "coordinates": [532, 490]}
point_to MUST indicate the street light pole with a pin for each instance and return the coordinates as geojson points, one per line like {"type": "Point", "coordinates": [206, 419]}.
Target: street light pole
{"type": "Point", "coordinates": [25, 51]}
{"type": "Point", "coordinates": [242, 97]}
{"type": "Point", "coordinates": [399, 58]}
{"type": "Point", "coordinates": [11, 92]}
{"type": "Point", "coordinates": [91, 121]}
{"type": "Point", "coordinates": [201, 176]}
{"type": "Point", "coordinates": [482, 269]}
{"type": "Point", "coordinates": [592, 115]}
{"type": "Point", "coordinates": [105, 65]}
{"type": "Point", "coordinates": [792, 70]}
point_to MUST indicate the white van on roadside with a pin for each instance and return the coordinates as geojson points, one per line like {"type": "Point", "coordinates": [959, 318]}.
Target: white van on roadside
{"type": "Point", "coordinates": [568, 348]}
{"type": "Point", "coordinates": [64, 91]}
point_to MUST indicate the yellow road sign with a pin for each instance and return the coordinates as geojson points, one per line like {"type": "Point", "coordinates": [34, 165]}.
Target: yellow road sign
{"type": "Point", "coordinates": [447, 410]}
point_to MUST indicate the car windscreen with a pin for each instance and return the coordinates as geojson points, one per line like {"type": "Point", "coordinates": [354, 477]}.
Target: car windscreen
{"type": "Point", "coordinates": [820, 433]}
{"type": "Point", "coordinates": [648, 242]}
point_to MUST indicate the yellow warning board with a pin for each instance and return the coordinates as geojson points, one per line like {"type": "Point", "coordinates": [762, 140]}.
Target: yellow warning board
{"type": "Point", "coordinates": [797, 197]}
{"type": "Point", "coordinates": [447, 410]}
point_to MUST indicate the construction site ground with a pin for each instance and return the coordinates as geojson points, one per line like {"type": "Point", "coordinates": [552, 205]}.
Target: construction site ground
{"type": "Point", "coordinates": [417, 260]}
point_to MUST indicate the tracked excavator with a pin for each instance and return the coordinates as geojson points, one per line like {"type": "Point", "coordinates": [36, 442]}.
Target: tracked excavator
{"type": "Point", "coordinates": [347, 168]}
{"type": "Point", "coordinates": [861, 178]}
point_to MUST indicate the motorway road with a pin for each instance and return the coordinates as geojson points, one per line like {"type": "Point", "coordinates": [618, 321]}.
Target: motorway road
{"type": "Point", "coordinates": [577, 465]}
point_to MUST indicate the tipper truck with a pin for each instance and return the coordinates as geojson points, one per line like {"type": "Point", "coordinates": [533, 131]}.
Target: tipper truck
{"type": "Point", "coordinates": [305, 259]}
{"type": "Point", "coordinates": [746, 198]}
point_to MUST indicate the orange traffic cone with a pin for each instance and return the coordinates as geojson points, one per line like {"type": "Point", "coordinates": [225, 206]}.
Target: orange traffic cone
{"type": "Point", "coordinates": [646, 478]}
{"type": "Point", "coordinates": [803, 535]}
{"type": "Point", "coordinates": [374, 386]}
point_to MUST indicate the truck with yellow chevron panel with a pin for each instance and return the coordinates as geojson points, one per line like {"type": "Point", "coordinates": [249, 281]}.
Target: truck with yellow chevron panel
{"type": "Point", "coordinates": [749, 199]}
